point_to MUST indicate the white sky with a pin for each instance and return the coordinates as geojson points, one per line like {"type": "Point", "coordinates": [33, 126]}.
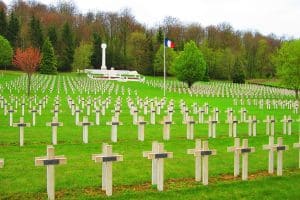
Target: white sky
{"type": "Point", "coordinates": [266, 16]}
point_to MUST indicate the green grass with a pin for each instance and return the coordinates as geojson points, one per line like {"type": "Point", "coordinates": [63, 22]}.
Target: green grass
{"type": "Point", "coordinates": [81, 177]}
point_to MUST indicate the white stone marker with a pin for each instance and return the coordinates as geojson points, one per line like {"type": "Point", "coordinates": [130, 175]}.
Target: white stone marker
{"type": "Point", "coordinates": [97, 112]}
{"type": "Point", "coordinates": [244, 150]}
{"type": "Point", "coordinates": [85, 129]}
{"type": "Point", "coordinates": [243, 112]}
{"type": "Point", "coordinates": [103, 66]}
{"type": "Point", "coordinates": [201, 115]}
{"type": "Point", "coordinates": [297, 146]}
{"type": "Point", "coordinates": [252, 121]}
{"type": "Point", "coordinates": [157, 155]}
{"type": "Point", "coordinates": [1, 162]}
{"type": "Point", "coordinates": [114, 128]}
{"type": "Point", "coordinates": [201, 154]}
{"type": "Point", "coordinates": [77, 112]}
{"type": "Point", "coordinates": [190, 128]}
{"type": "Point", "coordinates": [54, 124]}
{"type": "Point", "coordinates": [50, 161]}
{"type": "Point", "coordinates": [166, 130]}
{"type": "Point", "coordinates": [33, 111]}
{"type": "Point", "coordinates": [270, 125]}
{"type": "Point", "coordinates": [141, 128]}
{"type": "Point", "coordinates": [21, 126]}
{"type": "Point", "coordinates": [287, 125]}
{"type": "Point", "coordinates": [106, 158]}
{"type": "Point", "coordinates": [212, 127]}
{"type": "Point", "coordinates": [232, 126]}
{"type": "Point", "coordinates": [279, 147]}
{"type": "Point", "coordinates": [152, 116]}
{"type": "Point", "coordinates": [11, 111]}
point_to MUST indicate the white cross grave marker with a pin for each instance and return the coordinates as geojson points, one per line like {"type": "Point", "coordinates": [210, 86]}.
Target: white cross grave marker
{"type": "Point", "coordinates": [85, 129]}
{"type": "Point", "coordinates": [114, 128]}
{"type": "Point", "coordinates": [54, 124]}
{"type": "Point", "coordinates": [21, 126]}
{"type": "Point", "coordinates": [50, 161]}
{"type": "Point", "coordinates": [107, 157]}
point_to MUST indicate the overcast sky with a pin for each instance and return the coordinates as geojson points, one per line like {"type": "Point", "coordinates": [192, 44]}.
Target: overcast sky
{"type": "Point", "coordinates": [266, 16]}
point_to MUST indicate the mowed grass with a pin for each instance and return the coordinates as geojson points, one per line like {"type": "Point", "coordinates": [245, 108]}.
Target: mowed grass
{"type": "Point", "coordinates": [81, 177]}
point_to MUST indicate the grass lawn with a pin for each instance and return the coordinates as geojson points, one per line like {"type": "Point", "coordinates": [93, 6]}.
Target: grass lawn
{"type": "Point", "coordinates": [80, 178]}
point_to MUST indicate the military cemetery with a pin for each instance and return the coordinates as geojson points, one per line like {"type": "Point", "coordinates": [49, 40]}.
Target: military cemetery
{"type": "Point", "coordinates": [115, 122]}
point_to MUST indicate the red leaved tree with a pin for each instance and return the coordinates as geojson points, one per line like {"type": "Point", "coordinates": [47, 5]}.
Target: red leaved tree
{"type": "Point", "coordinates": [28, 61]}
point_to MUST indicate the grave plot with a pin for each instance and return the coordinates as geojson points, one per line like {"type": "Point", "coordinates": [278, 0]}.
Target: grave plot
{"type": "Point", "coordinates": [59, 103]}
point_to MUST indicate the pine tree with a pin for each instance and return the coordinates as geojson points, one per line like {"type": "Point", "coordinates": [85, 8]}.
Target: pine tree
{"type": "Point", "coordinates": [48, 63]}
{"type": "Point", "coordinates": [96, 57]}
{"type": "Point", "coordinates": [3, 23]}
{"type": "Point", "coordinates": [13, 30]}
{"type": "Point", "coordinates": [238, 74]}
{"type": "Point", "coordinates": [36, 35]}
{"type": "Point", "coordinates": [67, 48]}
{"type": "Point", "coordinates": [52, 35]}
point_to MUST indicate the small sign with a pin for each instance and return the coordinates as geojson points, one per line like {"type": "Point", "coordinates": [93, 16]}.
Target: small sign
{"type": "Point", "coordinates": [161, 155]}
{"type": "Point", "coordinates": [51, 162]}
{"type": "Point", "coordinates": [109, 159]}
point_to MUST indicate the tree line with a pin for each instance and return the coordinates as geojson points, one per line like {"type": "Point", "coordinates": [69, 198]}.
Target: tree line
{"type": "Point", "coordinates": [75, 41]}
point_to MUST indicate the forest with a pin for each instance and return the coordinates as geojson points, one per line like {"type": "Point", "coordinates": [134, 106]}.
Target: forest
{"type": "Point", "coordinates": [76, 39]}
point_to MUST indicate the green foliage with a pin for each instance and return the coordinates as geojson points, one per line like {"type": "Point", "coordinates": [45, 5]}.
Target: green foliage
{"type": "Point", "coordinates": [159, 61]}
{"type": "Point", "coordinates": [3, 23]}
{"type": "Point", "coordinates": [138, 47]}
{"type": "Point", "coordinates": [52, 35]}
{"type": "Point", "coordinates": [13, 30]}
{"type": "Point", "coordinates": [6, 52]}
{"type": "Point", "coordinates": [35, 32]}
{"type": "Point", "coordinates": [67, 46]}
{"type": "Point", "coordinates": [48, 62]}
{"type": "Point", "coordinates": [96, 57]}
{"type": "Point", "coordinates": [82, 57]}
{"type": "Point", "coordinates": [287, 61]}
{"type": "Point", "coordinates": [190, 65]}
{"type": "Point", "coordinates": [238, 74]}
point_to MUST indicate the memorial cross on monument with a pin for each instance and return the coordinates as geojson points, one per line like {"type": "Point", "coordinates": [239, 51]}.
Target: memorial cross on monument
{"type": "Point", "coordinates": [107, 157]}
{"type": "Point", "coordinates": [103, 66]}
{"type": "Point", "coordinates": [50, 161]}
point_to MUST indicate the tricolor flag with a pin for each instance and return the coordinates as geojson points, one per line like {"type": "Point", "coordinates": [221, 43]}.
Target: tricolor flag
{"type": "Point", "coordinates": [169, 43]}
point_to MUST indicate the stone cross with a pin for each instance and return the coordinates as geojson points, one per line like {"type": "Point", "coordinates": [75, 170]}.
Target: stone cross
{"type": "Point", "coordinates": [88, 108]}
{"type": "Point", "coordinates": [54, 124]}
{"type": "Point", "coordinates": [297, 146]}
{"type": "Point", "coordinates": [244, 150]}
{"type": "Point", "coordinates": [201, 115]}
{"type": "Point", "coordinates": [201, 155]}
{"type": "Point", "coordinates": [106, 158]}
{"type": "Point", "coordinates": [50, 161]}
{"type": "Point", "coordinates": [212, 127]}
{"type": "Point", "coordinates": [23, 107]}
{"type": "Point", "coordinates": [152, 116]}
{"type": "Point", "coordinates": [33, 111]}
{"type": "Point", "coordinates": [243, 112]}
{"type": "Point", "coordinates": [229, 112]}
{"type": "Point", "coordinates": [190, 128]}
{"type": "Point", "coordinates": [1, 162]}
{"type": "Point", "coordinates": [5, 108]}
{"type": "Point", "coordinates": [85, 129]}
{"type": "Point", "coordinates": [114, 128]}
{"type": "Point", "coordinates": [157, 155]}
{"type": "Point", "coordinates": [11, 111]}
{"type": "Point", "coordinates": [77, 112]}
{"type": "Point", "coordinates": [216, 114]}
{"type": "Point", "coordinates": [252, 121]}
{"type": "Point", "coordinates": [97, 112]}
{"type": "Point", "coordinates": [21, 126]}
{"type": "Point", "coordinates": [270, 124]}
{"type": "Point", "coordinates": [141, 128]}
{"type": "Point", "coordinates": [103, 66]}
{"type": "Point", "coordinates": [166, 130]}
{"type": "Point", "coordinates": [232, 128]}
{"type": "Point", "coordinates": [287, 125]}
{"type": "Point", "coordinates": [56, 111]}
{"type": "Point", "coordinates": [279, 147]}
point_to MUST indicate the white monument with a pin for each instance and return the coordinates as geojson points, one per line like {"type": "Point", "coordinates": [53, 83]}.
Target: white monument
{"type": "Point", "coordinates": [118, 75]}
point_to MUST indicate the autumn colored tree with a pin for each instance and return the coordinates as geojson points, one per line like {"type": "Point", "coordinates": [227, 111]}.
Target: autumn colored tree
{"type": "Point", "coordinates": [28, 61]}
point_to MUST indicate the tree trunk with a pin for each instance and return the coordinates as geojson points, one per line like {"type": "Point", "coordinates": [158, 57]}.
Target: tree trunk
{"type": "Point", "coordinates": [189, 84]}
{"type": "Point", "coordinates": [28, 84]}
{"type": "Point", "coordinates": [297, 93]}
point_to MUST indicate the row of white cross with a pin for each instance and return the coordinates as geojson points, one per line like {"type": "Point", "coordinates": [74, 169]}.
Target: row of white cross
{"type": "Point", "coordinates": [158, 154]}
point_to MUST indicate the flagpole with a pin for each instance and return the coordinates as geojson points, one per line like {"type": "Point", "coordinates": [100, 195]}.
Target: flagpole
{"type": "Point", "coordinates": [164, 64]}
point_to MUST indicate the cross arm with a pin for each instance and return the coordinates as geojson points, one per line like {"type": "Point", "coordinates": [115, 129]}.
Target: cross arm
{"type": "Point", "coordinates": [160, 155]}
{"type": "Point", "coordinates": [103, 158]}
{"type": "Point", "coordinates": [57, 160]}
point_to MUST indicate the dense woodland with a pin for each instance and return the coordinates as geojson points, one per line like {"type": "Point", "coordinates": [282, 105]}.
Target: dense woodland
{"type": "Point", "coordinates": [132, 45]}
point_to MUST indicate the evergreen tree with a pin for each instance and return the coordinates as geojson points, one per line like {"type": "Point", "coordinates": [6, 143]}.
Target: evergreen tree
{"type": "Point", "coordinates": [13, 30]}
{"type": "Point", "coordinates": [3, 23]}
{"type": "Point", "coordinates": [36, 35]}
{"type": "Point", "coordinates": [238, 74]}
{"type": "Point", "coordinates": [48, 62]}
{"type": "Point", "coordinates": [6, 52]}
{"type": "Point", "coordinates": [96, 57]}
{"type": "Point", "coordinates": [52, 35]}
{"type": "Point", "coordinates": [66, 48]}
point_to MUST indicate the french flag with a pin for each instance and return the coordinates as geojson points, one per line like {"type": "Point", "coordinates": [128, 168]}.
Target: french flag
{"type": "Point", "coordinates": [169, 43]}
